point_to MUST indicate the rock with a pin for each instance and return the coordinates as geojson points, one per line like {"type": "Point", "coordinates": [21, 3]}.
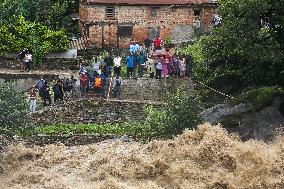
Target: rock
{"type": "Point", "coordinates": [263, 124]}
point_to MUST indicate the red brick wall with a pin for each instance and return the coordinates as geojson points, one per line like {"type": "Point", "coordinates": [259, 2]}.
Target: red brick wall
{"type": "Point", "coordinates": [140, 17]}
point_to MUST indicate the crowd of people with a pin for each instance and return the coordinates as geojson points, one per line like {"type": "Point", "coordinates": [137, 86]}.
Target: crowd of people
{"type": "Point", "coordinates": [58, 90]}
{"type": "Point", "coordinates": [104, 77]}
{"type": "Point", "coordinates": [145, 59]}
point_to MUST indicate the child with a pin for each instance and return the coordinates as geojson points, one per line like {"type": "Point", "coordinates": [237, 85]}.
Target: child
{"type": "Point", "coordinates": [182, 67]}
{"type": "Point", "coordinates": [98, 85]}
{"type": "Point", "coordinates": [159, 68]}
{"type": "Point", "coordinates": [32, 98]}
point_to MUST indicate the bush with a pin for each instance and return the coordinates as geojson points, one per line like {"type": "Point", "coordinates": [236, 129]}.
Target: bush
{"type": "Point", "coordinates": [182, 111]}
{"type": "Point", "coordinates": [260, 97]}
{"type": "Point", "coordinates": [13, 108]}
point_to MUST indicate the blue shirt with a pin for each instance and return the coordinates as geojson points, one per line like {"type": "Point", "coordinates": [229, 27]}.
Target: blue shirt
{"type": "Point", "coordinates": [130, 61]}
{"type": "Point", "coordinates": [132, 49]}
{"type": "Point", "coordinates": [142, 59]}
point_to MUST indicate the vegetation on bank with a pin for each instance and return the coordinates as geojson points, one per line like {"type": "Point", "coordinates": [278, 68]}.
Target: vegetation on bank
{"type": "Point", "coordinates": [246, 51]}
{"type": "Point", "coordinates": [181, 111]}
{"type": "Point", "coordinates": [260, 97]}
{"type": "Point", "coordinates": [41, 26]}
{"type": "Point", "coordinates": [13, 108]}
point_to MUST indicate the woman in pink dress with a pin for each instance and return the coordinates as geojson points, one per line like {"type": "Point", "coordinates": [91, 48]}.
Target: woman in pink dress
{"type": "Point", "coordinates": [164, 67]}
{"type": "Point", "coordinates": [169, 63]}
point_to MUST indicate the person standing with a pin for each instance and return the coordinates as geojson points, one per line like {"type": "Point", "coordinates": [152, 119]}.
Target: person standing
{"type": "Point", "coordinates": [98, 85]}
{"type": "Point", "coordinates": [22, 58]}
{"type": "Point", "coordinates": [28, 61]}
{"type": "Point", "coordinates": [141, 64]}
{"type": "Point", "coordinates": [58, 91]}
{"type": "Point", "coordinates": [83, 84]}
{"type": "Point", "coordinates": [109, 63]}
{"type": "Point", "coordinates": [158, 43]}
{"type": "Point", "coordinates": [117, 82]}
{"type": "Point", "coordinates": [32, 98]}
{"type": "Point", "coordinates": [147, 44]}
{"type": "Point", "coordinates": [164, 67]}
{"type": "Point", "coordinates": [159, 68]}
{"type": "Point", "coordinates": [189, 66]}
{"type": "Point", "coordinates": [169, 63]}
{"type": "Point", "coordinates": [176, 70]}
{"type": "Point", "coordinates": [151, 67]}
{"type": "Point", "coordinates": [197, 25]}
{"type": "Point", "coordinates": [46, 94]}
{"type": "Point", "coordinates": [104, 85]}
{"type": "Point", "coordinates": [182, 67]}
{"type": "Point", "coordinates": [130, 65]}
{"type": "Point", "coordinates": [132, 47]}
{"type": "Point", "coordinates": [117, 65]}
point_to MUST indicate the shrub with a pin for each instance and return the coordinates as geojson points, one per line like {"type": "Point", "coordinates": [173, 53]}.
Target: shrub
{"type": "Point", "coordinates": [260, 97]}
{"type": "Point", "coordinates": [182, 111]}
{"type": "Point", "coordinates": [13, 108]}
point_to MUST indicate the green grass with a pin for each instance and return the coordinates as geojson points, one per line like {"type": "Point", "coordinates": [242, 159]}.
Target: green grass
{"type": "Point", "coordinates": [140, 131]}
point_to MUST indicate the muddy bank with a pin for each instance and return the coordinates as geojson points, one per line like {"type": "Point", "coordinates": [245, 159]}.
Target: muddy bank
{"type": "Point", "coordinates": [205, 158]}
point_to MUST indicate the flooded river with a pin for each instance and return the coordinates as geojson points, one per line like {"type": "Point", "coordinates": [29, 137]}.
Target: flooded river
{"type": "Point", "coordinates": [205, 158]}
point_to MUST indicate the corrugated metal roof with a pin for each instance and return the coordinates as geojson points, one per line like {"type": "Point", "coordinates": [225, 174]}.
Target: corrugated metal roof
{"type": "Point", "coordinates": [150, 2]}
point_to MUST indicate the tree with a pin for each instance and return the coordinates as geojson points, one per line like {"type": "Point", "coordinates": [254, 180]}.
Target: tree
{"type": "Point", "coordinates": [13, 108]}
{"type": "Point", "coordinates": [247, 50]}
{"type": "Point", "coordinates": [21, 33]}
{"type": "Point", "coordinates": [182, 110]}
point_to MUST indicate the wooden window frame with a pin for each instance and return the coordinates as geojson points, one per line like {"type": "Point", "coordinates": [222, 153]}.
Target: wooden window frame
{"type": "Point", "coordinates": [110, 12]}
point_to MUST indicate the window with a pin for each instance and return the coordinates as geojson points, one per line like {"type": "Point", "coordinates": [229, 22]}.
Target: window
{"type": "Point", "coordinates": [110, 12]}
{"type": "Point", "coordinates": [124, 31]}
{"type": "Point", "coordinates": [154, 13]}
{"type": "Point", "coordinates": [197, 12]}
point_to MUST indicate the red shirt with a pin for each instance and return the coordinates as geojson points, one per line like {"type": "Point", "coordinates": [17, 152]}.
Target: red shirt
{"type": "Point", "coordinates": [84, 80]}
{"type": "Point", "coordinates": [157, 42]}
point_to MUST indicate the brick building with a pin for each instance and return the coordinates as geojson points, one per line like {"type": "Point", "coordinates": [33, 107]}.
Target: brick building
{"type": "Point", "coordinates": [113, 23]}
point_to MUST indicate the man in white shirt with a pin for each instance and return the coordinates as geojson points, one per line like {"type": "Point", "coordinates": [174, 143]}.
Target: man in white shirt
{"type": "Point", "coordinates": [117, 65]}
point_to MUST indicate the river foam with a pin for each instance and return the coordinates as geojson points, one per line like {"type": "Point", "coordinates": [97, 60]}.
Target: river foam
{"type": "Point", "coordinates": [205, 158]}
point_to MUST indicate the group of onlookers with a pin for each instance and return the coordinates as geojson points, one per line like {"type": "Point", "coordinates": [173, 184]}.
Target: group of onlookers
{"type": "Point", "coordinates": [58, 90]}
{"type": "Point", "coordinates": [98, 77]}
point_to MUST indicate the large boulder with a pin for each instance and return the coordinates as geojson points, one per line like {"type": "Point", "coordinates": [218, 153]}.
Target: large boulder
{"type": "Point", "coordinates": [261, 124]}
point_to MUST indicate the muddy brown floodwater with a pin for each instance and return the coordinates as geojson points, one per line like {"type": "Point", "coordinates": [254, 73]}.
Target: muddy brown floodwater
{"type": "Point", "coordinates": [205, 158]}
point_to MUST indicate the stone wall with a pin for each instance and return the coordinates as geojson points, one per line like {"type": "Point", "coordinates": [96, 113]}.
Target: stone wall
{"type": "Point", "coordinates": [153, 89]}
{"type": "Point", "coordinates": [91, 111]}
{"type": "Point", "coordinates": [170, 21]}
{"type": "Point", "coordinates": [47, 64]}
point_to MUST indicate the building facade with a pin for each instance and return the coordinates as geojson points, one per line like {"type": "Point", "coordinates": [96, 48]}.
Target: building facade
{"type": "Point", "coordinates": [114, 23]}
